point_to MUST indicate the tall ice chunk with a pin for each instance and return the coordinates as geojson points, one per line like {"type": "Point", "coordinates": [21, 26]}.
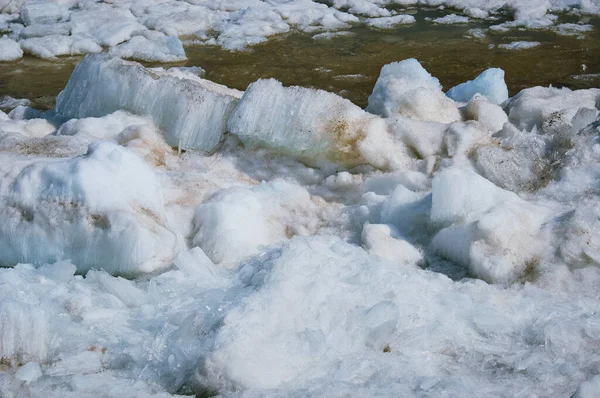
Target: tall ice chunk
{"type": "Point", "coordinates": [191, 112]}
{"type": "Point", "coordinates": [405, 88]}
{"type": "Point", "coordinates": [490, 83]}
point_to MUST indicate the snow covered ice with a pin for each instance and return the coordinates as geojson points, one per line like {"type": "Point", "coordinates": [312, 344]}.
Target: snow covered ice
{"type": "Point", "coordinates": [163, 235]}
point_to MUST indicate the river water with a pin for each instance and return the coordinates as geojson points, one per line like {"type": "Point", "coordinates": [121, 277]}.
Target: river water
{"type": "Point", "coordinates": [349, 64]}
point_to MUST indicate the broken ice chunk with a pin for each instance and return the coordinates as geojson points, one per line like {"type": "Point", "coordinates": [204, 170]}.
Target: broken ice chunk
{"type": "Point", "coordinates": [551, 109]}
{"type": "Point", "coordinates": [385, 241]}
{"type": "Point", "coordinates": [494, 233]}
{"type": "Point", "coordinates": [10, 50]}
{"type": "Point", "coordinates": [42, 12]}
{"type": "Point", "coordinates": [406, 88]}
{"type": "Point", "coordinates": [489, 114]}
{"type": "Point", "coordinates": [459, 194]}
{"type": "Point", "coordinates": [490, 83]}
{"type": "Point", "coordinates": [24, 334]}
{"type": "Point", "coordinates": [102, 210]}
{"type": "Point", "coordinates": [49, 47]}
{"type": "Point", "coordinates": [191, 112]}
{"type": "Point", "coordinates": [235, 222]}
{"type": "Point", "coordinates": [312, 124]}
{"type": "Point", "coordinates": [152, 47]}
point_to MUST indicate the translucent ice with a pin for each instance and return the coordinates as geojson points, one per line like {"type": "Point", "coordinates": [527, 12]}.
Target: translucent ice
{"type": "Point", "coordinates": [312, 124]}
{"type": "Point", "coordinates": [191, 112]}
{"type": "Point", "coordinates": [490, 83]}
{"type": "Point", "coordinates": [42, 12]}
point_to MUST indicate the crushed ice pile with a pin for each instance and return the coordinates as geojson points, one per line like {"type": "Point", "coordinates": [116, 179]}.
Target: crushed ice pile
{"type": "Point", "coordinates": [162, 234]}
{"type": "Point", "coordinates": [155, 30]}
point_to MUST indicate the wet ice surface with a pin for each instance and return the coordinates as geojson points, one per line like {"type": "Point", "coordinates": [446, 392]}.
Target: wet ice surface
{"type": "Point", "coordinates": [165, 235]}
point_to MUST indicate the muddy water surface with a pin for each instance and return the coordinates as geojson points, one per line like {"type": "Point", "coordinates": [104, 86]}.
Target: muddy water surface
{"type": "Point", "coordinates": [349, 64]}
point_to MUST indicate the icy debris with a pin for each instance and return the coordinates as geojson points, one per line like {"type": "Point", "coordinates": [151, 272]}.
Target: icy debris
{"type": "Point", "coordinates": [41, 30]}
{"type": "Point", "coordinates": [490, 83]}
{"type": "Point", "coordinates": [388, 22]}
{"type": "Point", "coordinates": [572, 29]}
{"type": "Point", "coordinates": [240, 24]}
{"type": "Point", "coordinates": [105, 24]}
{"type": "Point", "coordinates": [462, 137]}
{"type": "Point", "coordinates": [521, 161]}
{"type": "Point", "coordinates": [191, 112]}
{"type": "Point", "coordinates": [29, 128]}
{"type": "Point", "coordinates": [29, 372]}
{"type": "Point", "coordinates": [60, 271]}
{"type": "Point", "coordinates": [406, 88]}
{"type": "Point", "coordinates": [155, 47]}
{"type": "Point", "coordinates": [588, 389]}
{"type": "Point", "coordinates": [236, 222]}
{"type": "Point", "coordinates": [24, 334]}
{"type": "Point", "coordinates": [313, 124]}
{"type": "Point", "coordinates": [579, 238]}
{"type": "Point", "coordinates": [459, 194]}
{"type": "Point", "coordinates": [106, 127]}
{"type": "Point", "coordinates": [196, 264]}
{"type": "Point", "coordinates": [476, 33]}
{"type": "Point", "coordinates": [451, 19]}
{"type": "Point", "coordinates": [62, 211]}
{"type": "Point", "coordinates": [489, 114]}
{"type": "Point", "coordinates": [55, 45]}
{"type": "Point", "coordinates": [407, 210]}
{"type": "Point", "coordinates": [493, 232]}
{"type": "Point", "coordinates": [425, 138]}
{"type": "Point", "coordinates": [85, 362]}
{"type": "Point", "coordinates": [385, 241]}
{"type": "Point", "coordinates": [519, 45]}
{"type": "Point", "coordinates": [10, 50]}
{"type": "Point", "coordinates": [8, 103]}
{"type": "Point", "coordinates": [475, 12]}
{"type": "Point", "coordinates": [42, 12]}
{"type": "Point", "coordinates": [331, 35]}
{"type": "Point", "coordinates": [549, 108]}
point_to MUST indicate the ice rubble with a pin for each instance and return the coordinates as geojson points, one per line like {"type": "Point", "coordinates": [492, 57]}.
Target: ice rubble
{"type": "Point", "coordinates": [265, 274]}
{"type": "Point", "coordinates": [192, 112]}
